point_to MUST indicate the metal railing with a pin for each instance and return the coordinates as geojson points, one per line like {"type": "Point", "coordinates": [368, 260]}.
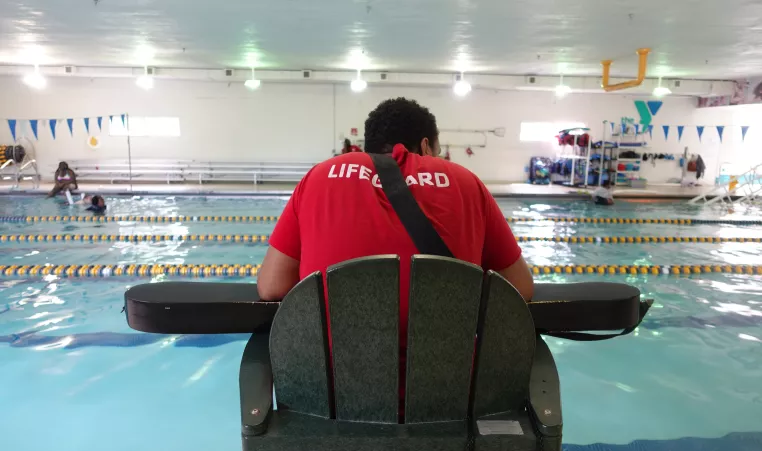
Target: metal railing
{"type": "Point", "coordinates": [188, 171]}
{"type": "Point", "coordinates": [744, 187]}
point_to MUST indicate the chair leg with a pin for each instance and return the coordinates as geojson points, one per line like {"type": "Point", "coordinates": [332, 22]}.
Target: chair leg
{"type": "Point", "coordinates": [255, 383]}
{"type": "Point", "coordinates": [545, 396]}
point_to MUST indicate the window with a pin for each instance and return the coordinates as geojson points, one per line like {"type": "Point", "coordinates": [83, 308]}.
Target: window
{"type": "Point", "coordinates": [145, 126]}
{"type": "Point", "coordinates": [544, 131]}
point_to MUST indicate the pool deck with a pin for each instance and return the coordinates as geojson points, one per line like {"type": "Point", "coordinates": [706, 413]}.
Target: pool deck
{"type": "Point", "coordinates": [654, 191]}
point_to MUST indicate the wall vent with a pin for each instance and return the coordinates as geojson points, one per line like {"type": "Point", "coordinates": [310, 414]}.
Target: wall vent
{"type": "Point", "coordinates": [306, 74]}
{"type": "Point", "coordinates": [150, 71]}
{"type": "Point", "coordinates": [677, 83]}
{"type": "Point", "coordinates": [69, 69]}
{"type": "Point", "coordinates": [531, 80]}
{"type": "Point", "coordinates": [229, 72]}
{"type": "Point", "coordinates": [384, 75]}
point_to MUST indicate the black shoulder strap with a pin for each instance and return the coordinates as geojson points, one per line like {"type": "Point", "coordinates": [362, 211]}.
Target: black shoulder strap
{"type": "Point", "coordinates": [418, 226]}
{"type": "Point", "coordinates": [428, 241]}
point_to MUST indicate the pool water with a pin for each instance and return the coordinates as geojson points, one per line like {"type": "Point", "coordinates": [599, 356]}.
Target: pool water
{"type": "Point", "coordinates": [75, 377]}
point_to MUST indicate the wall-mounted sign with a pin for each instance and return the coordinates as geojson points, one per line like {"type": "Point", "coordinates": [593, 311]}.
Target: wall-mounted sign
{"type": "Point", "coordinates": [94, 142]}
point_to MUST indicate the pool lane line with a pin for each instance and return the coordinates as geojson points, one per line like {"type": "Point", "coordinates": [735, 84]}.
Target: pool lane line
{"type": "Point", "coordinates": [272, 219]}
{"type": "Point", "coordinates": [671, 221]}
{"type": "Point", "coordinates": [262, 239]}
{"type": "Point", "coordinates": [674, 270]}
{"type": "Point", "coordinates": [633, 239]}
{"type": "Point", "coordinates": [133, 270]}
{"type": "Point", "coordinates": [248, 270]}
{"type": "Point", "coordinates": [112, 238]}
{"type": "Point", "coordinates": [130, 218]}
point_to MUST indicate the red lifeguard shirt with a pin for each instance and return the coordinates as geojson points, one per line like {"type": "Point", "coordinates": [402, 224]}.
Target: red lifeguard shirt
{"type": "Point", "coordinates": [339, 212]}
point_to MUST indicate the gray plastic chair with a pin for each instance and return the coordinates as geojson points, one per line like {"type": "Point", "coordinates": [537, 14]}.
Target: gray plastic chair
{"type": "Point", "coordinates": [348, 397]}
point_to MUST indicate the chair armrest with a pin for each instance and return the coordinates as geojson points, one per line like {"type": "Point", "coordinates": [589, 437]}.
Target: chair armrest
{"type": "Point", "coordinates": [545, 392]}
{"type": "Point", "coordinates": [255, 381]}
{"type": "Point", "coordinates": [197, 308]}
{"type": "Point", "coordinates": [589, 306]}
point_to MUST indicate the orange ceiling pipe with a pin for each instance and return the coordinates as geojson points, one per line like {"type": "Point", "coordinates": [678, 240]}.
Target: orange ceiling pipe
{"type": "Point", "coordinates": [642, 63]}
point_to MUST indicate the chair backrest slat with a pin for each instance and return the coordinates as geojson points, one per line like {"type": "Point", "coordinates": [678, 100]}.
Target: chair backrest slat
{"type": "Point", "coordinates": [444, 308]}
{"type": "Point", "coordinates": [504, 351]}
{"type": "Point", "coordinates": [363, 304]}
{"type": "Point", "coordinates": [299, 350]}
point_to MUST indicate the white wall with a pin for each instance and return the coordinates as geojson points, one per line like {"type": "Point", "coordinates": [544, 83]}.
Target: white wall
{"type": "Point", "coordinates": [504, 159]}
{"type": "Point", "coordinates": [305, 122]}
{"type": "Point", "coordinates": [734, 150]}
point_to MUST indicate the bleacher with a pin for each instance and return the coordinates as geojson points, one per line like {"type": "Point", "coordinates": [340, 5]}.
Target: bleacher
{"type": "Point", "coordinates": [187, 171]}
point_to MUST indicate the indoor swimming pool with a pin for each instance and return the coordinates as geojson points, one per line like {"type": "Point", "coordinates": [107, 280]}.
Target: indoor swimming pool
{"type": "Point", "coordinates": [75, 377]}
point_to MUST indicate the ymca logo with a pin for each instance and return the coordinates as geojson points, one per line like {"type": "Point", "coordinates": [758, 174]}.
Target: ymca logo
{"type": "Point", "coordinates": [647, 110]}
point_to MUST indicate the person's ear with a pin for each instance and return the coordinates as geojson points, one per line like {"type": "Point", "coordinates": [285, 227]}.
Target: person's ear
{"type": "Point", "coordinates": [426, 149]}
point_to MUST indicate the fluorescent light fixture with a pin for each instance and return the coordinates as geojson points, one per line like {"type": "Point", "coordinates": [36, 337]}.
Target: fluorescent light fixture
{"type": "Point", "coordinates": [35, 79]}
{"type": "Point", "coordinates": [145, 81]}
{"type": "Point", "coordinates": [461, 87]}
{"type": "Point", "coordinates": [562, 90]}
{"type": "Point", "coordinates": [358, 84]}
{"type": "Point", "coordinates": [252, 83]}
{"type": "Point", "coordinates": [661, 91]}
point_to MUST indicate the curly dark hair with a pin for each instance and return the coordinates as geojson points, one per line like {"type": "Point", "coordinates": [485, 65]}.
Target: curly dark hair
{"type": "Point", "coordinates": [399, 121]}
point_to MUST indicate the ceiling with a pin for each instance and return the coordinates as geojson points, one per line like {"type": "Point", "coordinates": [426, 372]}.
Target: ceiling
{"type": "Point", "coordinates": [689, 38]}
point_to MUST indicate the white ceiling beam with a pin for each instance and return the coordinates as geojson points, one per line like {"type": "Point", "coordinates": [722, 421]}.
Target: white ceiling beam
{"type": "Point", "coordinates": [679, 87]}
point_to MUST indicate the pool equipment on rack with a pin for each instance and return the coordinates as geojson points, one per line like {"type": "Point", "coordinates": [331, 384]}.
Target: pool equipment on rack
{"type": "Point", "coordinates": [627, 161]}
{"type": "Point", "coordinates": [575, 146]}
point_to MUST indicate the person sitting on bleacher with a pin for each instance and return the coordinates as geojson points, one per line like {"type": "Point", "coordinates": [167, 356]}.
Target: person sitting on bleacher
{"type": "Point", "coordinates": [339, 211]}
{"type": "Point", "coordinates": [64, 180]}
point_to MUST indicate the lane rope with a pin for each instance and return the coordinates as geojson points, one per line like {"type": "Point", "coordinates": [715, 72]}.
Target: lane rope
{"type": "Point", "coordinates": [84, 238]}
{"type": "Point", "coordinates": [675, 270]}
{"type": "Point", "coordinates": [248, 270]}
{"type": "Point", "coordinates": [635, 239]}
{"type": "Point", "coordinates": [94, 270]}
{"type": "Point", "coordinates": [271, 219]}
{"type": "Point", "coordinates": [130, 218]}
{"type": "Point", "coordinates": [262, 239]}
